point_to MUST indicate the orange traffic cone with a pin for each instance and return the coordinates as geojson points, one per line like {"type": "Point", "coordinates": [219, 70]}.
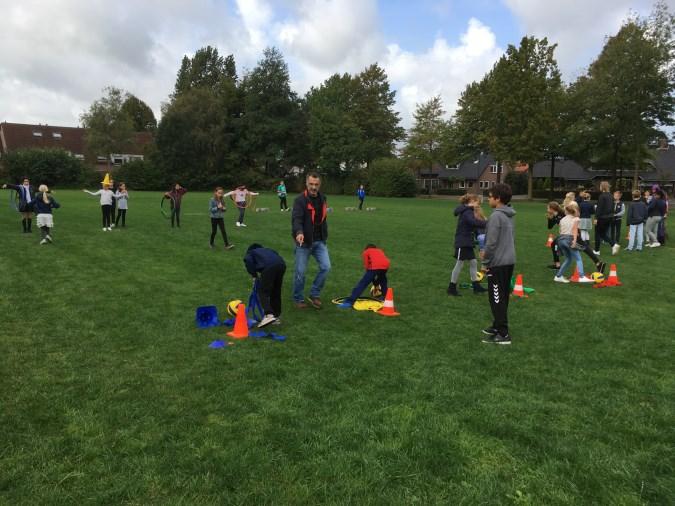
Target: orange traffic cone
{"type": "Point", "coordinates": [388, 309]}
{"type": "Point", "coordinates": [549, 241]}
{"type": "Point", "coordinates": [518, 287]}
{"type": "Point", "coordinates": [575, 276]}
{"type": "Point", "coordinates": [613, 279]}
{"type": "Point", "coordinates": [240, 330]}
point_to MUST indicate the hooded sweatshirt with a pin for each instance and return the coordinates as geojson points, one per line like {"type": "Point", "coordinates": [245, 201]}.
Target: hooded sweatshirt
{"type": "Point", "coordinates": [499, 239]}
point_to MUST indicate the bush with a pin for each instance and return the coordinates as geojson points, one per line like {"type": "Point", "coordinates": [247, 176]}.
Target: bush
{"type": "Point", "coordinates": [451, 191]}
{"type": "Point", "coordinates": [389, 177]}
{"type": "Point", "coordinates": [53, 167]}
{"type": "Point", "coordinates": [141, 175]}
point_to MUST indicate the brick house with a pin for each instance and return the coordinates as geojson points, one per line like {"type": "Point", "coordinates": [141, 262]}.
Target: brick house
{"type": "Point", "coordinates": [475, 175]}
{"type": "Point", "coordinates": [14, 136]}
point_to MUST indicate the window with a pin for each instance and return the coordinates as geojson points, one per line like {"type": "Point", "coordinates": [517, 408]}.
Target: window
{"type": "Point", "coordinates": [118, 161]}
{"type": "Point", "coordinates": [462, 185]}
{"type": "Point", "coordinates": [57, 135]}
{"type": "Point", "coordinates": [102, 159]}
{"type": "Point", "coordinates": [37, 134]}
{"type": "Point", "coordinates": [78, 157]}
{"type": "Point", "coordinates": [496, 169]}
{"type": "Point", "coordinates": [483, 185]}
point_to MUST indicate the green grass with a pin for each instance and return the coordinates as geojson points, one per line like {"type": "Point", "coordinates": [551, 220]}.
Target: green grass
{"type": "Point", "coordinates": [110, 395]}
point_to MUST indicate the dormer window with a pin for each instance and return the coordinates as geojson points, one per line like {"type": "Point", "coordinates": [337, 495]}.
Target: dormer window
{"type": "Point", "coordinates": [37, 133]}
{"type": "Point", "coordinates": [57, 135]}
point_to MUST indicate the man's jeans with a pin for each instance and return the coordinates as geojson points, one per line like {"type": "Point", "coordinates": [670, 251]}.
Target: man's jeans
{"type": "Point", "coordinates": [319, 251]}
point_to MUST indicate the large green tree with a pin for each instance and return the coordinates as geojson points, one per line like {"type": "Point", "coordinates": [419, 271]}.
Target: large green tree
{"type": "Point", "coordinates": [425, 139]}
{"type": "Point", "coordinates": [274, 117]}
{"type": "Point", "coordinates": [379, 123]}
{"type": "Point", "coordinates": [109, 129]}
{"type": "Point", "coordinates": [626, 97]}
{"type": "Point", "coordinates": [141, 115]}
{"type": "Point", "coordinates": [206, 69]}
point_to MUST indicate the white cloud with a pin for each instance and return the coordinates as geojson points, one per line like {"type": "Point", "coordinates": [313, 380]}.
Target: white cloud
{"type": "Point", "coordinates": [578, 26]}
{"type": "Point", "coordinates": [443, 69]}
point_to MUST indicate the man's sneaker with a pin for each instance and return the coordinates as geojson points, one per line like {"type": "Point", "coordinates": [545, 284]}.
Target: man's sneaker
{"type": "Point", "coordinates": [601, 266]}
{"type": "Point", "coordinates": [615, 249]}
{"type": "Point", "coordinates": [49, 238]}
{"type": "Point", "coordinates": [229, 246]}
{"type": "Point", "coordinates": [242, 224]}
{"type": "Point", "coordinates": [267, 319]}
{"type": "Point", "coordinates": [490, 331]}
{"type": "Point", "coordinates": [498, 339]}
{"type": "Point", "coordinates": [345, 305]}
{"type": "Point", "coordinates": [585, 279]}
{"type": "Point", "coordinates": [596, 253]}
{"type": "Point", "coordinates": [300, 305]}
{"type": "Point", "coordinates": [238, 224]}
{"type": "Point", "coordinates": [43, 241]}
{"type": "Point", "coordinates": [561, 279]}
{"type": "Point", "coordinates": [315, 302]}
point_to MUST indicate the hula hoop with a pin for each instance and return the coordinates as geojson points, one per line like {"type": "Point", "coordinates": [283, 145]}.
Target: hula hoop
{"type": "Point", "coordinates": [14, 200]}
{"type": "Point", "coordinates": [250, 200]}
{"type": "Point", "coordinates": [363, 303]}
{"type": "Point", "coordinates": [167, 212]}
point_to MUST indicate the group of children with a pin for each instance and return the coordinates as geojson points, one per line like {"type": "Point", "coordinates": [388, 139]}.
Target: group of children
{"type": "Point", "coordinates": [644, 217]}
{"type": "Point", "coordinates": [110, 200]}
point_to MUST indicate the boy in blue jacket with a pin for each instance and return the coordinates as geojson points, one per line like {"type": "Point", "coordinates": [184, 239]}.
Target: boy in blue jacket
{"type": "Point", "coordinates": [267, 266]}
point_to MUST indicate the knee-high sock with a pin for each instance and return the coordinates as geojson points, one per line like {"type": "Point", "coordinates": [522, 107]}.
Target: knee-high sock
{"type": "Point", "coordinates": [473, 269]}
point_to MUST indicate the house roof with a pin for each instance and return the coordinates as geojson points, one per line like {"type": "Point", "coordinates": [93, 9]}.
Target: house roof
{"type": "Point", "coordinates": [21, 136]}
{"type": "Point", "coordinates": [566, 169]}
{"type": "Point", "coordinates": [664, 166]}
{"type": "Point", "coordinates": [472, 168]}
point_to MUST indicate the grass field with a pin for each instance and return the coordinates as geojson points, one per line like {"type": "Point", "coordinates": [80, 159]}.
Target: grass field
{"type": "Point", "coordinates": [109, 394]}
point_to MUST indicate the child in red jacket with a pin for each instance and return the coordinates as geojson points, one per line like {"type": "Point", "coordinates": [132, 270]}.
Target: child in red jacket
{"type": "Point", "coordinates": [377, 265]}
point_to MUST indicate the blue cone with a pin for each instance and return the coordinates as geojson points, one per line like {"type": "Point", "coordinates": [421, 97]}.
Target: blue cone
{"type": "Point", "coordinates": [207, 316]}
{"type": "Point", "coordinates": [217, 344]}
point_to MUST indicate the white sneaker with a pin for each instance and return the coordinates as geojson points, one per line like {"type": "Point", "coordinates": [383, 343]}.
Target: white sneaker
{"type": "Point", "coordinates": [561, 279]}
{"type": "Point", "coordinates": [596, 253]}
{"type": "Point", "coordinates": [586, 279]}
{"type": "Point", "coordinates": [43, 241]}
{"type": "Point", "coordinates": [615, 249]}
{"type": "Point", "coordinates": [238, 224]}
{"type": "Point", "coordinates": [655, 245]}
{"type": "Point", "coordinates": [269, 318]}
{"type": "Point", "coordinates": [105, 229]}
{"type": "Point", "coordinates": [109, 229]}
{"type": "Point", "coordinates": [242, 224]}
{"type": "Point", "coordinates": [112, 226]}
{"type": "Point", "coordinates": [49, 238]}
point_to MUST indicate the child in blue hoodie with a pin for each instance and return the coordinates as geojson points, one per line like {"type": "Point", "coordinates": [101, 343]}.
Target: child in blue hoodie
{"type": "Point", "coordinates": [267, 266]}
{"type": "Point", "coordinates": [467, 224]}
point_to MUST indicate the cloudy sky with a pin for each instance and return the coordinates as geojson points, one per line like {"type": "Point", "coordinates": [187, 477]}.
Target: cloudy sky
{"type": "Point", "coordinates": [56, 56]}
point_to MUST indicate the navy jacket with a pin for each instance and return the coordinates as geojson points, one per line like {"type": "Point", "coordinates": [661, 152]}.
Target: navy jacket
{"type": "Point", "coordinates": [39, 207]}
{"type": "Point", "coordinates": [657, 207]}
{"type": "Point", "coordinates": [637, 213]}
{"type": "Point", "coordinates": [586, 209]}
{"type": "Point", "coordinates": [304, 216]}
{"type": "Point", "coordinates": [258, 259]}
{"type": "Point", "coordinates": [466, 225]}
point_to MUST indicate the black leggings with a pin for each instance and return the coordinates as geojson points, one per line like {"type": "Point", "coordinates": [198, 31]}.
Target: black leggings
{"type": "Point", "coordinates": [106, 217]}
{"type": "Point", "coordinates": [175, 216]}
{"type": "Point", "coordinates": [602, 233]}
{"type": "Point", "coordinates": [121, 213]}
{"type": "Point", "coordinates": [218, 223]}
{"type": "Point", "coordinates": [242, 210]}
{"type": "Point", "coordinates": [282, 203]}
{"type": "Point", "coordinates": [615, 231]}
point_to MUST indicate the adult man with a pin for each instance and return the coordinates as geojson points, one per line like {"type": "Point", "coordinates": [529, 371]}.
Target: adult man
{"type": "Point", "coordinates": [310, 232]}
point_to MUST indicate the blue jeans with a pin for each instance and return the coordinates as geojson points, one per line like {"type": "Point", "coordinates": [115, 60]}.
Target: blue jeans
{"type": "Point", "coordinates": [319, 251]}
{"type": "Point", "coordinates": [379, 277]}
{"type": "Point", "coordinates": [635, 234]}
{"type": "Point", "coordinates": [565, 247]}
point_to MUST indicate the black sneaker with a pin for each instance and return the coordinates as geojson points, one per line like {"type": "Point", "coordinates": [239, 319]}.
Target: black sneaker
{"type": "Point", "coordinates": [498, 339]}
{"type": "Point", "coordinates": [490, 331]}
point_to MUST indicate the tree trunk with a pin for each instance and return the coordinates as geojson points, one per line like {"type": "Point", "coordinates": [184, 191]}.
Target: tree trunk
{"type": "Point", "coordinates": [552, 177]}
{"type": "Point", "coordinates": [530, 172]}
{"type": "Point", "coordinates": [636, 181]}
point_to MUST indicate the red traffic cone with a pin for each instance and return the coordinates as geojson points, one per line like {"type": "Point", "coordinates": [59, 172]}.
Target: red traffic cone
{"type": "Point", "coordinates": [240, 330]}
{"type": "Point", "coordinates": [518, 287]}
{"type": "Point", "coordinates": [549, 241]}
{"type": "Point", "coordinates": [575, 276]}
{"type": "Point", "coordinates": [613, 279]}
{"type": "Point", "coordinates": [388, 309]}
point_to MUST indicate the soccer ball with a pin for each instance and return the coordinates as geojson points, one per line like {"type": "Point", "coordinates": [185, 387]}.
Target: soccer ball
{"type": "Point", "coordinates": [480, 276]}
{"type": "Point", "coordinates": [375, 291]}
{"type": "Point", "coordinates": [598, 277]}
{"type": "Point", "coordinates": [232, 307]}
